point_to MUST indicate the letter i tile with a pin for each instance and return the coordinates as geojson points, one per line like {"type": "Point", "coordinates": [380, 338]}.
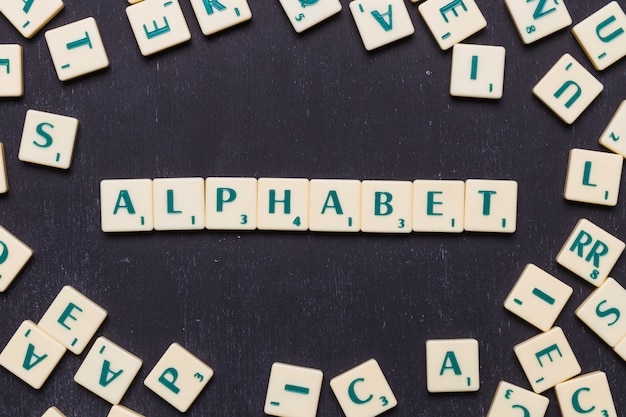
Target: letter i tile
{"type": "Point", "coordinates": [304, 14]}
{"type": "Point", "coordinates": [602, 312]}
{"type": "Point", "coordinates": [31, 354]}
{"type": "Point", "coordinates": [452, 365]}
{"type": "Point", "coordinates": [587, 394]}
{"type": "Point", "coordinates": [178, 377]}
{"type": "Point", "coordinates": [381, 22]}
{"type": "Point", "coordinates": [293, 391]}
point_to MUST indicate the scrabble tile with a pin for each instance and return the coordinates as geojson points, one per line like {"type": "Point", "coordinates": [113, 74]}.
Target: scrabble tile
{"type": "Point", "coordinates": [304, 14]}
{"type": "Point", "coordinates": [216, 15]}
{"type": "Point", "coordinates": [283, 204]}
{"type": "Point", "coordinates": [620, 349]}
{"type": "Point", "coordinates": [590, 252]}
{"type": "Point", "coordinates": [535, 20]}
{"type": "Point", "coordinates": [4, 181]}
{"type": "Point", "coordinates": [363, 391]}
{"type": "Point", "coordinates": [567, 89]}
{"type": "Point", "coordinates": [614, 135]}
{"type": "Point", "coordinates": [477, 71]}
{"type": "Point", "coordinates": [538, 297]}
{"type": "Point", "coordinates": [438, 206]}
{"type": "Point", "coordinates": [31, 354]}
{"type": "Point", "coordinates": [77, 49]}
{"type": "Point", "coordinates": [13, 256]}
{"type": "Point", "coordinates": [53, 412]}
{"type": "Point", "coordinates": [452, 21]}
{"type": "Point", "coordinates": [120, 411]}
{"type": "Point", "coordinates": [335, 205]}
{"type": "Point", "coordinates": [452, 365]}
{"type": "Point", "coordinates": [126, 205]}
{"type": "Point", "coordinates": [178, 203]}
{"type": "Point", "coordinates": [293, 391]}
{"type": "Point", "coordinates": [178, 377]}
{"type": "Point", "coordinates": [157, 25]}
{"type": "Point", "coordinates": [231, 203]}
{"type": "Point", "coordinates": [602, 311]}
{"type": "Point", "coordinates": [11, 71]}
{"type": "Point", "coordinates": [48, 139]}
{"type": "Point", "coordinates": [602, 36]}
{"type": "Point", "coordinates": [72, 319]}
{"type": "Point", "coordinates": [587, 394]}
{"type": "Point", "coordinates": [547, 359]}
{"type": "Point", "coordinates": [386, 206]}
{"type": "Point", "coordinates": [381, 22]}
{"type": "Point", "coordinates": [510, 399]}
{"type": "Point", "coordinates": [490, 206]}
{"type": "Point", "coordinates": [593, 177]}
{"type": "Point", "coordinates": [108, 370]}
{"type": "Point", "coordinates": [29, 16]}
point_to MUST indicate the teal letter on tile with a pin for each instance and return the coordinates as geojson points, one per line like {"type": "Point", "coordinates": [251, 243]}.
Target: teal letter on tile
{"type": "Point", "coordinates": [608, 312]}
{"type": "Point", "coordinates": [574, 97]}
{"type": "Point", "coordinates": [352, 393]}
{"type": "Point", "coordinates": [67, 314]}
{"type": "Point", "coordinates": [158, 31]}
{"type": "Point", "coordinates": [221, 197]}
{"type": "Point", "coordinates": [430, 203]}
{"type": "Point", "coordinates": [576, 403]}
{"type": "Point", "coordinates": [454, 364]}
{"type": "Point", "coordinates": [379, 202]}
{"type": "Point", "coordinates": [106, 370]}
{"type": "Point", "coordinates": [6, 63]}
{"type": "Point", "coordinates": [4, 254]}
{"type": "Point", "coordinates": [27, 5]}
{"type": "Point", "coordinates": [124, 202]}
{"type": "Point", "coordinates": [539, 10]}
{"type": "Point", "coordinates": [168, 379]}
{"type": "Point", "coordinates": [380, 18]}
{"type": "Point", "coordinates": [210, 4]}
{"type": "Point", "coordinates": [170, 203]}
{"type": "Point", "coordinates": [546, 352]}
{"type": "Point", "coordinates": [286, 202]}
{"type": "Point", "coordinates": [611, 36]}
{"type": "Point", "coordinates": [80, 42]}
{"type": "Point", "coordinates": [332, 195]}
{"type": "Point", "coordinates": [486, 201]}
{"type": "Point", "coordinates": [30, 354]}
{"type": "Point", "coordinates": [599, 249]}
{"type": "Point", "coordinates": [451, 7]}
{"type": "Point", "coordinates": [43, 134]}
{"type": "Point", "coordinates": [587, 174]}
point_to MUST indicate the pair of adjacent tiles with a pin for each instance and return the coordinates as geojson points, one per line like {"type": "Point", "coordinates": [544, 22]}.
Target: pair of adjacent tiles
{"type": "Point", "coordinates": [593, 177]}
{"type": "Point", "coordinates": [35, 349]}
{"type": "Point", "coordinates": [29, 16]}
{"type": "Point", "coordinates": [294, 391]}
{"type": "Point", "coordinates": [11, 71]}
{"type": "Point", "coordinates": [116, 411]}
{"type": "Point", "coordinates": [14, 254]}
{"type": "Point", "coordinates": [300, 204]}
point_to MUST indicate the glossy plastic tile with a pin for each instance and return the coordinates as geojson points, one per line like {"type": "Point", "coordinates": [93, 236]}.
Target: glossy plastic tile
{"type": "Point", "coordinates": [283, 204]}
{"type": "Point", "coordinates": [538, 297]}
{"type": "Point", "coordinates": [614, 135]}
{"type": "Point", "coordinates": [590, 252]}
{"type": "Point", "coordinates": [13, 256]}
{"type": "Point", "coordinates": [363, 391]}
{"type": "Point", "coordinates": [381, 22]}
{"type": "Point", "coordinates": [157, 25]}
{"type": "Point", "coordinates": [48, 139]}
{"type": "Point", "coordinates": [567, 89]}
{"type": "Point", "coordinates": [231, 203]}
{"type": "Point", "coordinates": [490, 206]}
{"type": "Point", "coordinates": [178, 203]}
{"type": "Point", "coordinates": [593, 177]}
{"type": "Point", "coordinates": [120, 411]}
{"type": "Point", "coordinates": [510, 399]}
{"type": "Point", "coordinates": [452, 21]}
{"type": "Point", "coordinates": [31, 354]}
{"type": "Point", "coordinates": [535, 20]}
{"type": "Point", "coordinates": [126, 205]}
{"type": "Point", "coordinates": [29, 17]}
{"type": "Point", "coordinates": [587, 394]}
{"type": "Point", "coordinates": [304, 14]}
{"type": "Point", "coordinates": [11, 71]}
{"type": "Point", "coordinates": [293, 391]}
{"type": "Point", "coordinates": [72, 319]}
{"type": "Point", "coordinates": [77, 49]}
{"type": "Point", "coordinates": [602, 35]}
{"type": "Point", "coordinates": [477, 71]}
{"type": "Point", "coordinates": [108, 370]}
{"type": "Point", "coordinates": [602, 312]}
{"type": "Point", "coordinates": [386, 206]}
{"type": "Point", "coordinates": [438, 206]}
{"type": "Point", "coordinates": [53, 412]}
{"type": "Point", "coordinates": [335, 205]}
{"type": "Point", "coordinates": [178, 377]}
{"type": "Point", "coordinates": [4, 180]}
{"type": "Point", "coordinates": [547, 359]}
{"type": "Point", "coordinates": [216, 15]}
{"type": "Point", "coordinates": [452, 365]}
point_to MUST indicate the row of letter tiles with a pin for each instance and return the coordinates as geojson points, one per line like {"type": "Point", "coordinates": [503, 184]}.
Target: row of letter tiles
{"type": "Point", "coordinates": [11, 71]}
{"type": "Point", "coordinates": [317, 205]}
{"type": "Point", "coordinates": [593, 177]}
{"type": "Point", "coordinates": [29, 16]}
{"type": "Point", "coordinates": [14, 254]}
{"type": "Point", "coordinates": [584, 394]}
{"type": "Point", "coordinates": [509, 397]}
{"type": "Point", "coordinates": [4, 181]}
{"type": "Point", "coordinates": [590, 252]}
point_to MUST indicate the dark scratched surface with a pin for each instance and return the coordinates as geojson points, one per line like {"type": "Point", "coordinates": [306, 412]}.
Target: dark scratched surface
{"type": "Point", "coordinates": [260, 100]}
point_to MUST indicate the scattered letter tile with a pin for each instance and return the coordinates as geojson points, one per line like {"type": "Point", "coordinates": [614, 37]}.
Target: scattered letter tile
{"type": "Point", "coordinates": [178, 377]}
{"type": "Point", "coordinates": [53, 412]}
{"type": "Point", "coordinates": [304, 14]}
{"type": "Point", "coordinates": [48, 139]}
{"type": "Point", "coordinates": [29, 17]}
{"type": "Point", "coordinates": [283, 204]}
{"type": "Point", "coordinates": [126, 205]}
{"type": "Point", "coordinates": [72, 319]}
{"type": "Point", "coordinates": [363, 391]}
{"type": "Point", "coordinates": [568, 89]}
{"type": "Point", "coordinates": [593, 177]}
{"type": "Point", "coordinates": [31, 354]}
{"type": "Point", "coordinates": [614, 135]}
{"type": "Point", "coordinates": [602, 312]}
{"type": "Point", "coordinates": [13, 256]}
{"type": "Point", "coordinates": [452, 365]}
{"type": "Point", "coordinates": [293, 391]}
{"type": "Point", "coordinates": [216, 15]}
{"type": "Point", "coordinates": [535, 20]}
{"type": "Point", "coordinates": [547, 359]}
{"type": "Point", "coordinates": [386, 206]}
{"type": "Point", "coordinates": [231, 203]}
{"type": "Point", "coordinates": [381, 22]}
{"type": "Point", "coordinates": [452, 21]}
{"type": "Point", "coordinates": [590, 252]}
{"type": "Point", "coordinates": [335, 205]}
{"type": "Point", "coordinates": [509, 398]}
{"type": "Point", "coordinates": [477, 71]}
{"type": "Point", "coordinates": [538, 297]}
{"type": "Point", "coordinates": [120, 411]}
{"type": "Point", "coordinates": [11, 71]}
{"type": "Point", "coordinates": [602, 35]}
{"type": "Point", "coordinates": [584, 394]}
{"type": "Point", "coordinates": [438, 206]}
{"type": "Point", "coordinates": [77, 49]}
{"type": "Point", "coordinates": [490, 206]}
{"type": "Point", "coordinates": [178, 203]}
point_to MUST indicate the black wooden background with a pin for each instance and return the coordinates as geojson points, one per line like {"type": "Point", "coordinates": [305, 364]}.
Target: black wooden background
{"type": "Point", "coordinates": [260, 100]}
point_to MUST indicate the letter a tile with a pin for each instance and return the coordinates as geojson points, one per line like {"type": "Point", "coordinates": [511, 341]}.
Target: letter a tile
{"type": "Point", "coordinates": [452, 365]}
{"type": "Point", "coordinates": [381, 22]}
